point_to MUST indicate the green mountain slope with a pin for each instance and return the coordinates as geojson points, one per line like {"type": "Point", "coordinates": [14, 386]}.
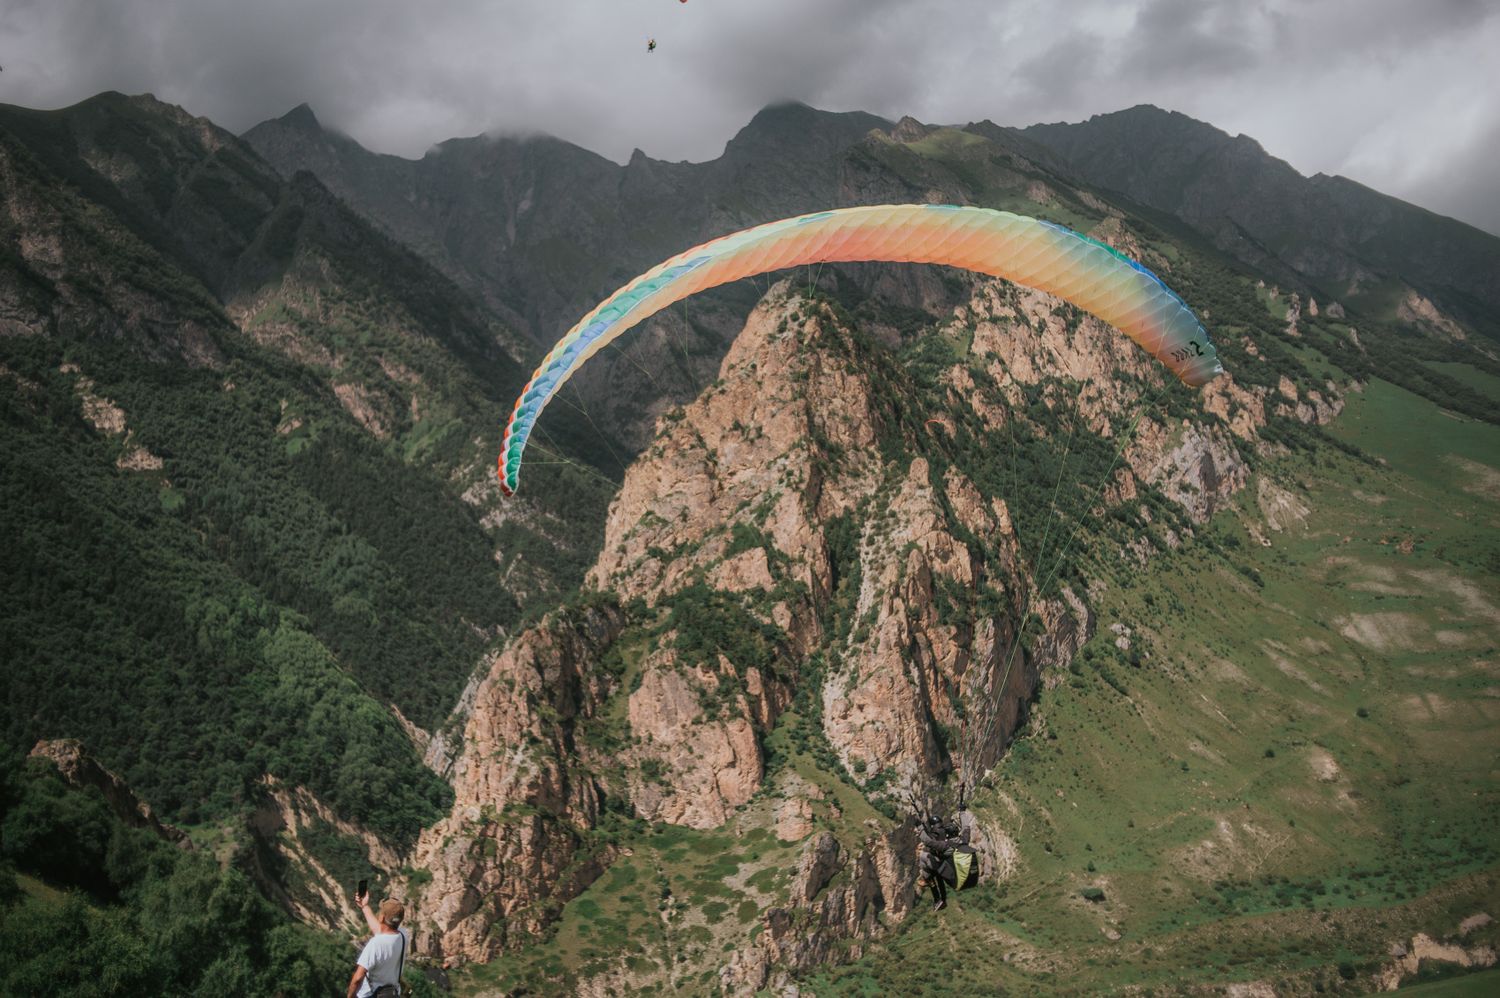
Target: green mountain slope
{"type": "Point", "coordinates": [240, 426]}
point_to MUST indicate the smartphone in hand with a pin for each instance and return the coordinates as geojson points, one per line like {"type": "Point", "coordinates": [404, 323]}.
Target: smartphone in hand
{"type": "Point", "coordinates": [363, 889]}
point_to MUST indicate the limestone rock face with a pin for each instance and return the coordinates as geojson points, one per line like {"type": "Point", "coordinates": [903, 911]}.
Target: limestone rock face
{"type": "Point", "coordinates": [522, 800]}
{"type": "Point", "coordinates": [1418, 311]}
{"type": "Point", "coordinates": [1409, 958]}
{"type": "Point", "coordinates": [109, 419]}
{"type": "Point", "coordinates": [1293, 315]}
{"type": "Point", "coordinates": [709, 765]}
{"type": "Point", "coordinates": [835, 895]}
{"type": "Point", "coordinates": [910, 667]}
{"type": "Point", "coordinates": [1196, 467]}
{"type": "Point", "coordinates": [1242, 410]}
{"type": "Point", "coordinates": [783, 445]}
{"type": "Point", "coordinates": [748, 443]}
{"type": "Point", "coordinates": [1029, 336]}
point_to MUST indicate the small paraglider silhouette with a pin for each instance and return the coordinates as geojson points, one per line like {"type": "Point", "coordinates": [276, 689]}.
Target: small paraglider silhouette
{"type": "Point", "coordinates": [651, 45]}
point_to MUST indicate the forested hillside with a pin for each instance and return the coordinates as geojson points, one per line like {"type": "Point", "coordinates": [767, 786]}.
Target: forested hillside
{"type": "Point", "coordinates": [240, 430]}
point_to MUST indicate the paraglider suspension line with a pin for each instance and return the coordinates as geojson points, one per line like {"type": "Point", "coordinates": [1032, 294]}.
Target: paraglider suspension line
{"type": "Point", "coordinates": [554, 451]}
{"type": "Point", "coordinates": [687, 360]}
{"type": "Point", "coordinates": [621, 351]}
{"type": "Point", "coordinates": [619, 462]}
{"type": "Point", "coordinates": [1049, 575]}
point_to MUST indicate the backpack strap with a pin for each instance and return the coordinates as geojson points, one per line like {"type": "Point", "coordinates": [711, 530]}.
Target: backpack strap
{"type": "Point", "coordinates": [401, 964]}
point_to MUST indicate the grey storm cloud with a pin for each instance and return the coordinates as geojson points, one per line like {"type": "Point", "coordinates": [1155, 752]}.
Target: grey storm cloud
{"type": "Point", "coordinates": [1403, 96]}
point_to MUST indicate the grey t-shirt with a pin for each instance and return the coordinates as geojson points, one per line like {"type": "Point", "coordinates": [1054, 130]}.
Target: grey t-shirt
{"type": "Point", "coordinates": [381, 959]}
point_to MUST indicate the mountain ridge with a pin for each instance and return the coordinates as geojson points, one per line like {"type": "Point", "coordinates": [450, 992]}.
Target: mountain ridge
{"type": "Point", "coordinates": [1355, 237]}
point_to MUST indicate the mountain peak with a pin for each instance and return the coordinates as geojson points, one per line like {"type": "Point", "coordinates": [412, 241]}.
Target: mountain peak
{"type": "Point", "coordinates": [1141, 109]}
{"type": "Point", "coordinates": [301, 117]}
{"type": "Point", "coordinates": [909, 129]}
{"type": "Point", "coordinates": [792, 122]}
{"type": "Point", "coordinates": [783, 110]}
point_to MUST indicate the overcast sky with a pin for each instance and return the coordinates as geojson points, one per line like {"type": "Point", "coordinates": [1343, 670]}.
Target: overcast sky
{"type": "Point", "coordinates": [1402, 95]}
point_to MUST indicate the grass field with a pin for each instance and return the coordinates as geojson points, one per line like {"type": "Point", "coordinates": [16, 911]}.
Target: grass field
{"type": "Point", "coordinates": [1484, 984]}
{"type": "Point", "coordinates": [1470, 375]}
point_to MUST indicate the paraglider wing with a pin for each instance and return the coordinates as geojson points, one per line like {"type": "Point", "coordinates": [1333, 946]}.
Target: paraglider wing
{"type": "Point", "coordinates": [1038, 254]}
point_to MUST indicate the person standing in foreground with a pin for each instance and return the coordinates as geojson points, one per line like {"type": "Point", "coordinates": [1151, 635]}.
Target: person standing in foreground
{"type": "Point", "coordinates": [378, 973]}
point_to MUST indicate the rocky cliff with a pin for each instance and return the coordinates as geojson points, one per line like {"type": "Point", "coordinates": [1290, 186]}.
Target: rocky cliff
{"type": "Point", "coordinates": [819, 543]}
{"type": "Point", "coordinates": [516, 843]}
{"type": "Point", "coordinates": [296, 843]}
{"type": "Point", "coordinates": [738, 493]}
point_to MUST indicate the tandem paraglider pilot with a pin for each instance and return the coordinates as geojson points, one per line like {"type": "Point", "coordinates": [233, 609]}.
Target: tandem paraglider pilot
{"type": "Point", "coordinates": [378, 970]}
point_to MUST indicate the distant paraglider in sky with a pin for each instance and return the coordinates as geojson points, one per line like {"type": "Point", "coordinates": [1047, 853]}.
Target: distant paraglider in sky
{"type": "Point", "coordinates": [651, 43]}
{"type": "Point", "coordinates": [1024, 250]}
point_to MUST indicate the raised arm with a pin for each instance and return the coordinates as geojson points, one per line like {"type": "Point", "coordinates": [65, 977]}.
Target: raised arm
{"type": "Point", "coordinates": [363, 902]}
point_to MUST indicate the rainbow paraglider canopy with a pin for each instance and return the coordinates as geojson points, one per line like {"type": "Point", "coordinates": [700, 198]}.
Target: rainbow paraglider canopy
{"type": "Point", "coordinates": [1024, 250]}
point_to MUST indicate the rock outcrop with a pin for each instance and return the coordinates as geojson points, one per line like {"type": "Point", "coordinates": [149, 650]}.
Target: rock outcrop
{"type": "Point", "coordinates": [516, 842]}
{"type": "Point", "coordinates": [795, 535]}
{"type": "Point", "coordinates": [705, 763]}
{"type": "Point", "coordinates": [82, 770]}
{"type": "Point", "coordinates": [1407, 959]}
{"type": "Point", "coordinates": [287, 866]}
{"type": "Point", "coordinates": [786, 443]}
{"type": "Point", "coordinates": [837, 894]}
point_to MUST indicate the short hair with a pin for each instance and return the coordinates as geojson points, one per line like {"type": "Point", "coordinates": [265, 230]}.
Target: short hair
{"type": "Point", "coordinates": [392, 912]}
